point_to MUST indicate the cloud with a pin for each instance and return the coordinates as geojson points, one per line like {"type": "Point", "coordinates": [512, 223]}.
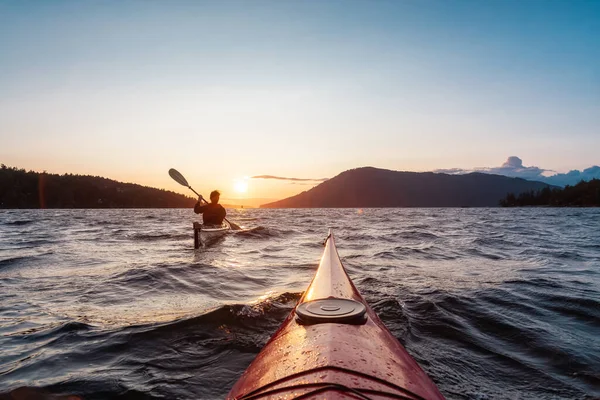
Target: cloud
{"type": "Point", "coordinates": [453, 171]}
{"type": "Point", "coordinates": [288, 179]}
{"type": "Point", "coordinates": [513, 167]}
{"type": "Point", "coordinates": [573, 177]}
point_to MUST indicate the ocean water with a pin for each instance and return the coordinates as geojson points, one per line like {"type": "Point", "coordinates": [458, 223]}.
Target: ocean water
{"type": "Point", "coordinates": [492, 303]}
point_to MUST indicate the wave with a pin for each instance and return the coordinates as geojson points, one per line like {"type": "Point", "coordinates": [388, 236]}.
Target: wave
{"type": "Point", "coordinates": [51, 331]}
{"type": "Point", "coordinates": [108, 222]}
{"type": "Point", "coordinates": [262, 232]}
{"type": "Point", "coordinates": [9, 262]}
{"type": "Point", "coordinates": [517, 342]}
{"type": "Point", "coordinates": [480, 253]}
{"type": "Point", "coordinates": [129, 312]}
{"type": "Point", "coordinates": [251, 316]}
{"type": "Point", "coordinates": [21, 222]}
{"type": "Point", "coordinates": [246, 219]}
{"type": "Point", "coordinates": [406, 253]}
{"type": "Point", "coordinates": [160, 236]}
{"type": "Point", "coordinates": [21, 260]}
{"type": "Point", "coordinates": [411, 235]}
{"type": "Point", "coordinates": [39, 242]}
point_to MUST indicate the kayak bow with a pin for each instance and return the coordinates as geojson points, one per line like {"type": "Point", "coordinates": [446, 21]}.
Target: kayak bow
{"type": "Point", "coordinates": [333, 346]}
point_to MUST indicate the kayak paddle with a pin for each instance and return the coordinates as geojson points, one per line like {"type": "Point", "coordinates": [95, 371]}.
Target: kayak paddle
{"type": "Point", "coordinates": [177, 177]}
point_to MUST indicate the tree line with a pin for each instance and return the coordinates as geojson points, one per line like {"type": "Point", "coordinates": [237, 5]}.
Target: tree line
{"type": "Point", "coordinates": [583, 194]}
{"type": "Point", "coordinates": [30, 189]}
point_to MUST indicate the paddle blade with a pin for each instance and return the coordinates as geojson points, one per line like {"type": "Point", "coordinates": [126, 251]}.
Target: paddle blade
{"type": "Point", "coordinates": [178, 177]}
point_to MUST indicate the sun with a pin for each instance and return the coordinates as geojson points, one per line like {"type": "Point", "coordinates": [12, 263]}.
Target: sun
{"type": "Point", "coordinates": [240, 186]}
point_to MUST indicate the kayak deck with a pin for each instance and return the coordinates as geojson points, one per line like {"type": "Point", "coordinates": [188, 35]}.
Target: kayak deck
{"type": "Point", "coordinates": [333, 346]}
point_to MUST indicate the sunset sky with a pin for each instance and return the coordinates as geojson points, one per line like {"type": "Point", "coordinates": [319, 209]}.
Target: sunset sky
{"type": "Point", "coordinates": [305, 89]}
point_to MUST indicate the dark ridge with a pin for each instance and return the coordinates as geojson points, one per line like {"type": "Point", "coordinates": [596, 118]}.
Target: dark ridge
{"type": "Point", "coordinates": [373, 187]}
{"type": "Point", "coordinates": [30, 189]}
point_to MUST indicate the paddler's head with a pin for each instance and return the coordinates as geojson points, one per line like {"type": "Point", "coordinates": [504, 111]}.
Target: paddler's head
{"type": "Point", "coordinates": [214, 196]}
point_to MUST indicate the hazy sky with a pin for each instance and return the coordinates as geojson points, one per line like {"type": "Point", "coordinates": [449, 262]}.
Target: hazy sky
{"type": "Point", "coordinates": [221, 90]}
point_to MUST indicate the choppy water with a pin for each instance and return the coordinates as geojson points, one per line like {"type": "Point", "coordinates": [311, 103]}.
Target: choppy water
{"type": "Point", "coordinates": [493, 303]}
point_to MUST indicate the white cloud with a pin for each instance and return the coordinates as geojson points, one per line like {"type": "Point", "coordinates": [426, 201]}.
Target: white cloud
{"type": "Point", "coordinates": [513, 167]}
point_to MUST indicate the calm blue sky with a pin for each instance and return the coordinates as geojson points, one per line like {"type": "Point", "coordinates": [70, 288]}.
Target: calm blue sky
{"type": "Point", "coordinates": [223, 90]}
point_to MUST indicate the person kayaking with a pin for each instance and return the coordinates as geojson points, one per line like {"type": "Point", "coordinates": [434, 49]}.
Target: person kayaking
{"type": "Point", "coordinates": [212, 213]}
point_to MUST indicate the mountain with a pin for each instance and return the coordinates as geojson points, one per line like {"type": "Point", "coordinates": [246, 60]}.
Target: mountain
{"type": "Point", "coordinates": [374, 187]}
{"type": "Point", "coordinates": [22, 189]}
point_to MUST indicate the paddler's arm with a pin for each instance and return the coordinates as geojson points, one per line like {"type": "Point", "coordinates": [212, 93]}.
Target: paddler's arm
{"type": "Point", "coordinates": [199, 208]}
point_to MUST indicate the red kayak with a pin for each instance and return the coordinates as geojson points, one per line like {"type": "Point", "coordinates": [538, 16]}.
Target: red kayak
{"type": "Point", "coordinates": [333, 346]}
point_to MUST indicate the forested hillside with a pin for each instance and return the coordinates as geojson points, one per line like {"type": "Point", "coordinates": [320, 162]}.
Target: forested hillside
{"type": "Point", "coordinates": [29, 189]}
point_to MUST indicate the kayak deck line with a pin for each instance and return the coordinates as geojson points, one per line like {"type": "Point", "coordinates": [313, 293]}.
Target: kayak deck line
{"type": "Point", "coordinates": [354, 358]}
{"type": "Point", "coordinates": [275, 387]}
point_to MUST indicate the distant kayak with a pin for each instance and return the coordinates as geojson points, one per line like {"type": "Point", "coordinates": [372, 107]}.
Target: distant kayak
{"type": "Point", "coordinates": [333, 346]}
{"type": "Point", "coordinates": [207, 233]}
